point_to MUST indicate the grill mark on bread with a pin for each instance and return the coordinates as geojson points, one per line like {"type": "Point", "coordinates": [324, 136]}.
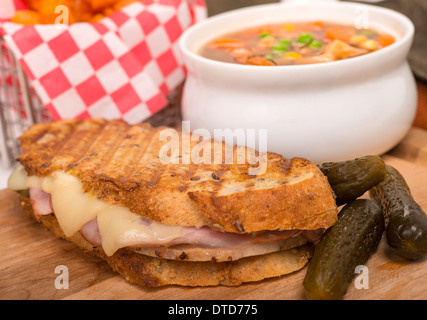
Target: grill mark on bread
{"type": "Point", "coordinates": [150, 166]}
{"type": "Point", "coordinates": [136, 172]}
{"type": "Point", "coordinates": [36, 132]}
{"type": "Point", "coordinates": [56, 147]}
{"type": "Point", "coordinates": [42, 153]}
{"type": "Point", "coordinates": [76, 145]}
{"type": "Point", "coordinates": [128, 151]}
{"type": "Point", "coordinates": [104, 146]}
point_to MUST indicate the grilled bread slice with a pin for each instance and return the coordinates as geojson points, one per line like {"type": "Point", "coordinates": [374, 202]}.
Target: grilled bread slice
{"type": "Point", "coordinates": [122, 165]}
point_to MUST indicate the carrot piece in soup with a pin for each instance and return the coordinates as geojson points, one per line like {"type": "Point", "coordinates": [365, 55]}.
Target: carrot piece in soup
{"type": "Point", "coordinates": [335, 33]}
{"type": "Point", "coordinates": [319, 25]}
{"type": "Point", "coordinates": [227, 43]}
{"type": "Point", "coordinates": [385, 40]}
{"type": "Point", "coordinates": [259, 61]}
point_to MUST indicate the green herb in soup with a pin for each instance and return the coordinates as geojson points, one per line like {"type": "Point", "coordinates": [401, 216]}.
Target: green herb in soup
{"type": "Point", "coordinates": [296, 43]}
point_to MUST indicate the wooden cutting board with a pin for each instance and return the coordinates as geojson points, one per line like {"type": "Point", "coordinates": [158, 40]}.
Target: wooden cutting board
{"type": "Point", "coordinates": [30, 255]}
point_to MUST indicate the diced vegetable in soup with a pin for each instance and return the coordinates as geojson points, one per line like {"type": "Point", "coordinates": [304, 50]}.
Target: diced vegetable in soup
{"type": "Point", "coordinates": [295, 43]}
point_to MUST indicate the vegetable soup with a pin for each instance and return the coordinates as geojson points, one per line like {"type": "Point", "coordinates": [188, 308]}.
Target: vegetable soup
{"type": "Point", "coordinates": [295, 44]}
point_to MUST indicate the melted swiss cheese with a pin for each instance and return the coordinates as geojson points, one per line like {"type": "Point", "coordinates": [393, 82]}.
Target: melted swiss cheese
{"type": "Point", "coordinates": [73, 208]}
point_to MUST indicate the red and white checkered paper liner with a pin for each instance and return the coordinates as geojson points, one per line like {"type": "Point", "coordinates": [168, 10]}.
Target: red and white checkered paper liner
{"type": "Point", "coordinates": [121, 67]}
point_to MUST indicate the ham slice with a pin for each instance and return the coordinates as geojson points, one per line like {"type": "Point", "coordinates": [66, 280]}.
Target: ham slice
{"type": "Point", "coordinates": [90, 232]}
{"type": "Point", "coordinates": [207, 237]}
{"type": "Point", "coordinates": [41, 203]}
{"type": "Point", "coordinates": [188, 252]}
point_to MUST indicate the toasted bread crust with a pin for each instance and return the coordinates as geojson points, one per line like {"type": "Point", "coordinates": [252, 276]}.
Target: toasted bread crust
{"type": "Point", "coordinates": [155, 272]}
{"type": "Point", "coordinates": [121, 164]}
{"type": "Point", "coordinates": [306, 205]}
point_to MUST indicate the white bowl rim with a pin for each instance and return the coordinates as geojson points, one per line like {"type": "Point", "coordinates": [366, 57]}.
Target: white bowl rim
{"type": "Point", "coordinates": [404, 20]}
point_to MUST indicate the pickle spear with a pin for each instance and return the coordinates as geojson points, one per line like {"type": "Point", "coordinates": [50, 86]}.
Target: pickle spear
{"type": "Point", "coordinates": [406, 222]}
{"type": "Point", "coordinates": [349, 243]}
{"type": "Point", "coordinates": [352, 178]}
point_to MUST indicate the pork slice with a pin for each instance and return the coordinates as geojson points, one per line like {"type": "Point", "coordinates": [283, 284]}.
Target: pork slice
{"type": "Point", "coordinates": [41, 203]}
{"type": "Point", "coordinates": [205, 237]}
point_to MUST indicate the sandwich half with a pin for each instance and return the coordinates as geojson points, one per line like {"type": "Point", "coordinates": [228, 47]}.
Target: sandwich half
{"type": "Point", "coordinates": [105, 186]}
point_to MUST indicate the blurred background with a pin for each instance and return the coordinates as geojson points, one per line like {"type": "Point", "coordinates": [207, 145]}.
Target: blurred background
{"type": "Point", "coordinates": [218, 6]}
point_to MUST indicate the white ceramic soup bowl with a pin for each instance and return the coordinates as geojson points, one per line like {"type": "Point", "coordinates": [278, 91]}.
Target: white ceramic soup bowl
{"type": "Point", "coordinates": [324, 112]}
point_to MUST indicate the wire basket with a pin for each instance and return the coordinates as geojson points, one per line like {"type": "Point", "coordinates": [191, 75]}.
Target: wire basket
{"type": "Point", "coordinates": [20, 107]}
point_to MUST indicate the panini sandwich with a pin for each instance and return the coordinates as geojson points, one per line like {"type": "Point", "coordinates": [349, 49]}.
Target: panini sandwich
{"type": "Point", "coordinates": [102, 185]}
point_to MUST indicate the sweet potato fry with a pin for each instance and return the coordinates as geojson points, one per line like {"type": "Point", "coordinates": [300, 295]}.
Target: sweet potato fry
{"type": "Point", "coordinates": [123, 3]}
{"type": "Point", "coordinates": [99, 5]}
{"type": "Point", "coordinates": [47, 11]}
{"type": "Point", "coordinates": [28, 17]}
